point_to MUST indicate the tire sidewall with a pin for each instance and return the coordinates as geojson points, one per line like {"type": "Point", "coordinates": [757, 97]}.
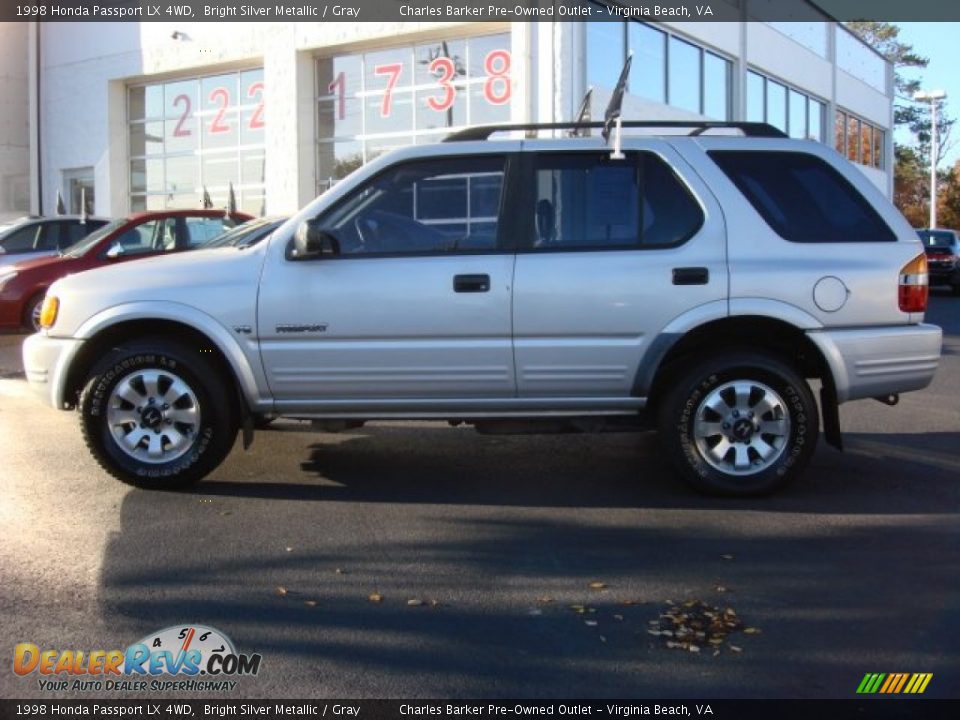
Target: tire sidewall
{"type": "Point", "coordinates": [681, 414]}
{"type": "Point", "coordinates": [28, 312]}
{"type": "Point", "coordinates": [215, 431]}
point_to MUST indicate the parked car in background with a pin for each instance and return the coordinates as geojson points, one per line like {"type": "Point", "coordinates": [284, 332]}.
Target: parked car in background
{"type": "Point", "coordinates": [943, 256]}
{"type": "Point", "coordinates": [248, 234]}
{"type": "Point", "coordinates": [36, 237]}
{"type": "Point", "coordinates": [23, 285]}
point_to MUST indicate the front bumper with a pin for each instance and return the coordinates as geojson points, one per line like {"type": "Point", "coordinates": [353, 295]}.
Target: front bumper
{"type": "Point", "coordinates": [880, 361]}
{"type": "Point", "coordinates": [46, 361]}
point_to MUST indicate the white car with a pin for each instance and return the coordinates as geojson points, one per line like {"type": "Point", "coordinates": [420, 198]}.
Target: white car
{"type": "Point", "coordinates": [692, 284]}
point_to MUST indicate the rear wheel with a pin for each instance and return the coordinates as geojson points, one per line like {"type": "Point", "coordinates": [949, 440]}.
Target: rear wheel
{"type": "Point", "coordinates": [741, 424]}
{"type": "Point", "coordinates": [156, 415]}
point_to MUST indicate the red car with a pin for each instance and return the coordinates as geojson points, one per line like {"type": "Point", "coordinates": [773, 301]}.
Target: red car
{"type": "Point", "coordinates": [22, 286]}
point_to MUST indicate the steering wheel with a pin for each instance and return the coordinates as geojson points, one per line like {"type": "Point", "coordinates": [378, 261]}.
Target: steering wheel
{"type": "Point", "coordinates": [368, 232]}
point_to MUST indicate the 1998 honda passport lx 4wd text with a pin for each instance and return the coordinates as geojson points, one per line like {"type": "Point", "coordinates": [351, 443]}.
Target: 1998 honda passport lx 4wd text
{"type": "Point", "coordinates": [694, 283]}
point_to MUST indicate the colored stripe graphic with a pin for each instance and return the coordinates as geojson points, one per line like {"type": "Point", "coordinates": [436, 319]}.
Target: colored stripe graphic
{"type": "Point", "coordinates": [894, 683]}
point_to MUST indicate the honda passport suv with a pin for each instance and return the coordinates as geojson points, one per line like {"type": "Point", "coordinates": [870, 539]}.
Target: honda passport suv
{"type": "Point", "coordinates": [692, 283]}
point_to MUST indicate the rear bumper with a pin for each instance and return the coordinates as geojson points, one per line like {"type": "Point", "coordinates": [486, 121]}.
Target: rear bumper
{"type": "Point", "coordinates": [45, 361]}
{"type": "Point", "coordinates": [880, 361]}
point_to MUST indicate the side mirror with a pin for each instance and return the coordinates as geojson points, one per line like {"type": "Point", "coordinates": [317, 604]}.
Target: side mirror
{"type": "Point", "coordinates": [115, 251]}
{"type": "Point", "coordinates": [310, 241]}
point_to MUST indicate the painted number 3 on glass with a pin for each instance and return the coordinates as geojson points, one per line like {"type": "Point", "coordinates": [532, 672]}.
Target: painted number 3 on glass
{"type": "Point", "coordinates": [496, 86]}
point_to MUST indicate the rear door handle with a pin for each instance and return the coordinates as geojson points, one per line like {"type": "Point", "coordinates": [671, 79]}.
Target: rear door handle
{"type": "Point", "coordinates": [471, 283]}
{"type": "Point", "coordinates": [691, 276]}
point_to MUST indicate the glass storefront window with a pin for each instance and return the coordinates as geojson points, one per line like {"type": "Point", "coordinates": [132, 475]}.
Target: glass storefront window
{"type": "Point", "coordinates": [648, 72]}
{"type": "Point", "coordinates": [684, 82]}
{"type": "Point", "coordinates": [756, 97]}
{"type": "Point", "coordinates": [716, 87]}
{"type": "Point", "coordinates": [195, 134]}
{"type": "Point", "coordinates": [370, 103]}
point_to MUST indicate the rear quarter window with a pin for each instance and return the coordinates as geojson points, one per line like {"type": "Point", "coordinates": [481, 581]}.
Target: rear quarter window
{"type": "Point", "coordinates": [802, 197]}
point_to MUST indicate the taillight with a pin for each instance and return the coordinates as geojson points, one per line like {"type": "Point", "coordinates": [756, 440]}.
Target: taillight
{"type": "Point", "coordinates": [914, 285]}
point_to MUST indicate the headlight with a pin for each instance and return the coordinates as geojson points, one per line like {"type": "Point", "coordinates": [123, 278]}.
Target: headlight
{"type": "Point", "coordinates": [48, 312]}
{"type": "Point", "coordinates": [6, 277]}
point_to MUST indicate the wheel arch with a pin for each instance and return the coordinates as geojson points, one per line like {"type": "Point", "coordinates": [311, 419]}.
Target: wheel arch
{"type": "Point", "coordinates": [763, 333]}
{"type": "Point", "coordinates": [179, 323]}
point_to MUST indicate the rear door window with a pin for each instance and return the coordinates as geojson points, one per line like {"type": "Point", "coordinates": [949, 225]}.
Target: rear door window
{"type": "Point", "coordinates": [802, 197]}
{"type": "Point", "coordinates": [590, 202]}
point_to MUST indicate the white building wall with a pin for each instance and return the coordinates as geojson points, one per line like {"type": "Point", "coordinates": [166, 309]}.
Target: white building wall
{"type": "Point", "coordinates": [86, 68]}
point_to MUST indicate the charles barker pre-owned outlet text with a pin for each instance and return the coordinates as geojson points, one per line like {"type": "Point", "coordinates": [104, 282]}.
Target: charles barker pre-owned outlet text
{"type": "Point", "coordinates": [493, 710]}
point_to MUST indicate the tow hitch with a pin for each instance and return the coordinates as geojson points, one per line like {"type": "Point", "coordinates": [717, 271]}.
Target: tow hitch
{"type": "Point", "coordinates": [890, 400]}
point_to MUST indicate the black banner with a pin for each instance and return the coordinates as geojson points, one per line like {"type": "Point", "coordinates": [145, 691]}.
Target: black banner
{"type": "Point", "coordinates": [475, 10]}
{"type": "Point", "coordinates": [874, 709]}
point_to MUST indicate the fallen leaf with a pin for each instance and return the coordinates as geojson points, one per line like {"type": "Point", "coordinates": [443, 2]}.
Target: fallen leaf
{"type": "Point", "coordinates": [375, 597]}
{"type": "Point", "coordinates": [618, 618]}
{"type": "Point", "coordinates": [591, 610]}
{"type": "Point", "coordinates": [656, 633]}
{"type": "Point", "coordinates": [288, 549]}
{"type": "Point", "coordinates": [727, 557]}
{"type": "Point", "coordinates": [579, 609]}
{"type": "Point", "coordinates": [226, 512]}
{"type": "Point", "coordinates": [602, 639]}
{"type": "Point", "coordinates": [736, 649]}
{"type": "Point", "coordinates": [694, 648]}
{"type": "Point", "coordinates": [281, 590]}
{"type": "Point", "coordinates": [310, 603]}
{"type": "Point", "coordinates": [590, 623]}
{"type": "Point", "coordinates": [414, 602]}
{"type": "Point", "coordinates": [720, 589]}
{"type": "Point", "coordinates": [752, 631]}
{"type": "Point", "coordinates": [597, 585]}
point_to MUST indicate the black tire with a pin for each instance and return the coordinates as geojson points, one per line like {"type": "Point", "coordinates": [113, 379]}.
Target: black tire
{"type": "Point", "coordinates": [697, 454]}
{"type": "Point", "coordinates": [203, 445]}
{"type": "Point", "coordinates": [30, 313]}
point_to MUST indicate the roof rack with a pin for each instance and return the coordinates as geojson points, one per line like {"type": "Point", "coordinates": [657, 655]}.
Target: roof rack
{"type": "Point", "coordinates": [696, 127]}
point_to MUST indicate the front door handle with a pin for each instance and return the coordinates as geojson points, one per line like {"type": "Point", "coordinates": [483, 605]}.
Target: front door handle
{"type": "Point", "coordinates": [691, 276]}
{"type": "Point", "coordinates": [471, 283]}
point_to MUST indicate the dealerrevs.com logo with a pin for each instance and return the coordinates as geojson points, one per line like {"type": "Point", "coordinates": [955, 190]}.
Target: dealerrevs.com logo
{"type": "Point", "coordinates": [203, 655]}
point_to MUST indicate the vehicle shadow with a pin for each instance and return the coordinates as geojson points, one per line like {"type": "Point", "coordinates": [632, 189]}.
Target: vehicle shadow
{"type": "Point", "coordinates": [486, 601]}
{"type": "Point", "coordinates": [436, 465]}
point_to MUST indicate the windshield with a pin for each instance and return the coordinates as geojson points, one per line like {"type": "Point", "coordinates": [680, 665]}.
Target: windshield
{"type": "Point", "coordinates": [81, 247]}
{"type": "Point", "coordinates": [244, 235]}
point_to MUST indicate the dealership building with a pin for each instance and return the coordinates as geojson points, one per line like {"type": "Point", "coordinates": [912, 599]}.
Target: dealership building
{"type": "Point", "coordinates": [138, 116]}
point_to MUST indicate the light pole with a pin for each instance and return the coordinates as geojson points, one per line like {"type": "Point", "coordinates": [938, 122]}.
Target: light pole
{"type": "Point", "coordinates": [932, 97]}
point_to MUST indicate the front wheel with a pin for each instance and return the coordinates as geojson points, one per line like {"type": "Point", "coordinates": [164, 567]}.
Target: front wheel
{"type": "Point", "coordinates": [156, 415]}
{"type": "Point", "coordinates": [739, 425]}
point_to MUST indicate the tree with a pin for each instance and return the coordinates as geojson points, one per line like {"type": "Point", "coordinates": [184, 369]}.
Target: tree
{"type": "Point", "coordinates": [911, 174]}
{"type": "Point", "coordinates": [948, 199]}
{"type": "Point", "coordinates": [911, 185]}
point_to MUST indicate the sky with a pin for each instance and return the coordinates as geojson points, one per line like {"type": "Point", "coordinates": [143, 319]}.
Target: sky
{"type": "Point", "coordinates": [940, 43]}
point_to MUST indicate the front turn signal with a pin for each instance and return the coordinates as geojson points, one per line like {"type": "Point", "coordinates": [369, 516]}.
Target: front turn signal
{"type": "Point", "coordinates": [48, 312]}
{"type": "Point", "coordinates": [914, 285]}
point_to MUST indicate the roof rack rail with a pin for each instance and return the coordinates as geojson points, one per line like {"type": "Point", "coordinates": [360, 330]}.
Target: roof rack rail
{"type": "Point", "coordinates": [696, 127]}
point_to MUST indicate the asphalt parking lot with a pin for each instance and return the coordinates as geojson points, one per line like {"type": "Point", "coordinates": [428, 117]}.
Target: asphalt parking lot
{"type": "Point", "coordinates": [483, 550]}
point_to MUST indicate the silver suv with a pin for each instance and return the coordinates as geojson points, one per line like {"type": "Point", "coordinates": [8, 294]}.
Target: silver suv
{"type": "Point", "coordinates": [694, 285]}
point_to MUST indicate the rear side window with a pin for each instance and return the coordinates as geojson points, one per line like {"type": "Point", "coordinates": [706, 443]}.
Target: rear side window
{"type": "Point", "coordinates": [802, 198]}
{"type": "Point", "coordinates": [589, 202]}
{"type": "Point", "coordinates": [22, 240]}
